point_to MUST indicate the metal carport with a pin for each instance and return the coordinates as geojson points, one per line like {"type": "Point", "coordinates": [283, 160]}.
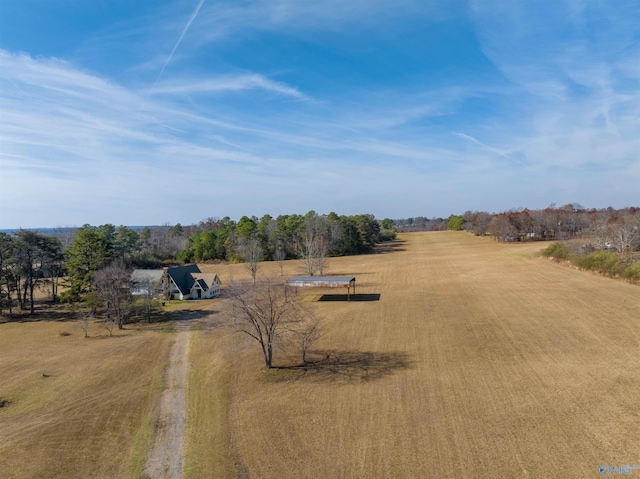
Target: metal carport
{"type": "Point", "coordinates": [323, 282]}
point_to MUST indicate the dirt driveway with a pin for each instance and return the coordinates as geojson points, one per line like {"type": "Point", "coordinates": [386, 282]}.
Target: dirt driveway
{"type": "Point", "coordinates": [166, 456]}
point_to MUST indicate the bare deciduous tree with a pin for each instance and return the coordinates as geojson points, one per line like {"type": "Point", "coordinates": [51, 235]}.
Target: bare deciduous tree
{"type": "Point", "coordinates": [307, 334]}
{"type": "Point", "coordinates": [600, 234]}
{"type": "Point", "coordinates": [113, 289]}
{"type": "Point", "coordinates": [150, 303]}
{"type": "Point", "coordinates": [85, 318]}
{"type": "Point", "coordinates": [250, 250]}
{"type": "Point", "coordinates": [502, 228]}
{"type": "Point", "coordinates": [149, 291]}
{"type": "Point", "coordinates": [280, 255]}
{"type": "Point", "coordinates": [623, 233]}
{"type": "Point", "coordinates": [305, 246]}
{"type": "Point", "coordinates": [7, 272]}
{"type": "Point", "coordinates": [311, 243]}
{"type": "Point", "coordinates": [313, 249]}
{"type": "Point", "coordinates": [321, 253]}
{"type": "Point", "coordinates": [37, 256]}
{"type": "Point", "coordinates": [620, 233]}
{"type": "Point", "coordinates": [109, 324]}
{"type": "Point", "coordinates": [264, 312]}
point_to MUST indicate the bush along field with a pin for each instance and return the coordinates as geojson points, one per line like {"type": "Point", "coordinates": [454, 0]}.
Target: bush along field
{"type": "Point", "coordinates": [609, 263]}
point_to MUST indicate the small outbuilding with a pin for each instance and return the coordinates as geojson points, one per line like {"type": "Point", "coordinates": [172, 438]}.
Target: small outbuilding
{"type": "Point", "coordinates": [346, 282]}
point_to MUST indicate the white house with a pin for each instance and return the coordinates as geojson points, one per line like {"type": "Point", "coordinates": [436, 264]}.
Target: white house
{"type": "Point", "coordinates": [181, 282]}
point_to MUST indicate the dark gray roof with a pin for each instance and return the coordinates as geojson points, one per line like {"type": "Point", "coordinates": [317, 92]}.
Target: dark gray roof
{"type": "Point", "coordinates": [181, 275]}
{"type": "Point", "coordinates": [185, 277]}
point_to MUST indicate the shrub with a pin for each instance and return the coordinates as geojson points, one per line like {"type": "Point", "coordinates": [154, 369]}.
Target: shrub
{"type": "Point", "coordinates": [633, 272]}
{"type": "Point", "coordinates": [602, 261]}
{"type": "Point", "coordinates": [387, 235]}
{"type": "Point", "coordinates": [455, 223]}
{"type": "Point", "coordinates": [557, 251]}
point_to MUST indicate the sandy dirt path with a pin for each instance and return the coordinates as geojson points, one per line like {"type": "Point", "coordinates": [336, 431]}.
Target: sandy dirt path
{"type": "Point", "coordinates": [166, 456]}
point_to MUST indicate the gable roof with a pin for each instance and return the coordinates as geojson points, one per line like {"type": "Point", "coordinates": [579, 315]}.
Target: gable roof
{"type": "Point", "coordinates": [182, 276]}
{"type": "Point", "coordinates": [185, 277]}
{"type": "Point", "coordinates": [205, 280]}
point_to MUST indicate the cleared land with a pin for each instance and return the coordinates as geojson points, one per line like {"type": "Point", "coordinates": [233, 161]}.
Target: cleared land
{"type": "Point", "coordinates": [78, 407]}
{"type": "Point", "coordinates": [478, 360]}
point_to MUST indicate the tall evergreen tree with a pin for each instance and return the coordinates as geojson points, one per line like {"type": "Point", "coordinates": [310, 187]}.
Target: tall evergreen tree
{"type": "Point", "coordinates": [90, 251]}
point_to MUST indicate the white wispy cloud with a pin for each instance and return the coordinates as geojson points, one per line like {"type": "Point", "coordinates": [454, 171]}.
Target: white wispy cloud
{"type": "Point", "coordinates": [224, 19]}
{"type": "Point", "coordinates": [226, 83]}
{"type": "Point", "coordinates": [70, 134]}
{"type": "Point", "coordinates": [579, 91]}
{"type": "Point", "coordinates": [561, 123]}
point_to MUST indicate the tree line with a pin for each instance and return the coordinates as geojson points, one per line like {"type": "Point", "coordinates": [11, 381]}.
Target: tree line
{"type": "Point", "coordinates": [30, 260]}
{"type": "Point", "coordinates": [605, 226]}
{"type": "Point", "coordinates": [309, 236]}
{"type": "Point", "coordinates": [88, 261]}
{"type": "Point", "coordinates": [604, 240]}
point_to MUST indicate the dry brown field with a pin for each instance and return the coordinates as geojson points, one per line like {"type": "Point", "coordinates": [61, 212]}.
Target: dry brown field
{"type": "Point", "coordinates": [479, 359]}
{"type": "Point", "coordinates": [79, 408]}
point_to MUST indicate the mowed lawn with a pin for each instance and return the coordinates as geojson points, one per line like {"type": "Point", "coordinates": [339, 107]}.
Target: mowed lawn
{"type": "Point", "coordinates": [479, 359]}
{"type": "Point", "coordinates": [79, 408]}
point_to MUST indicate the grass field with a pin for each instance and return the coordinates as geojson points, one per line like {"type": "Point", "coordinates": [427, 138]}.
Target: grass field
{"type": "Point", "coordinates": [78, 407]}
{"type": "Point", "coordinates": [478, 359]}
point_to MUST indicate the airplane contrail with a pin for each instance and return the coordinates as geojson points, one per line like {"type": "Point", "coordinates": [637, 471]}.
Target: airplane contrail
{"type": "Point", "coordinates": [478, 142]}
{"type": "Point", "coordinates": [184, 31]}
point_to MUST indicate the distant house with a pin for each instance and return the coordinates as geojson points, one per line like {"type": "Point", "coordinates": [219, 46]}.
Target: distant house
{"type": "Point", "coordinates": [181, 282]}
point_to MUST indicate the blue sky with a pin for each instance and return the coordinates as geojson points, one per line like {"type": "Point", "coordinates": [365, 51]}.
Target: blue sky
{"type": "Point", "coordinates": [148, 112]}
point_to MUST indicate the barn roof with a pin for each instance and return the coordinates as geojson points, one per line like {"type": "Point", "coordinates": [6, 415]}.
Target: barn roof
{"type": "Point", "coordinates": [321, 281]}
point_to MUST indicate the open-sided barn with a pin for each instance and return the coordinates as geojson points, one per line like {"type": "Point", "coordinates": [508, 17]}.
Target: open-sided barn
{"type": "Point", "coordinates": [347, 282]}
